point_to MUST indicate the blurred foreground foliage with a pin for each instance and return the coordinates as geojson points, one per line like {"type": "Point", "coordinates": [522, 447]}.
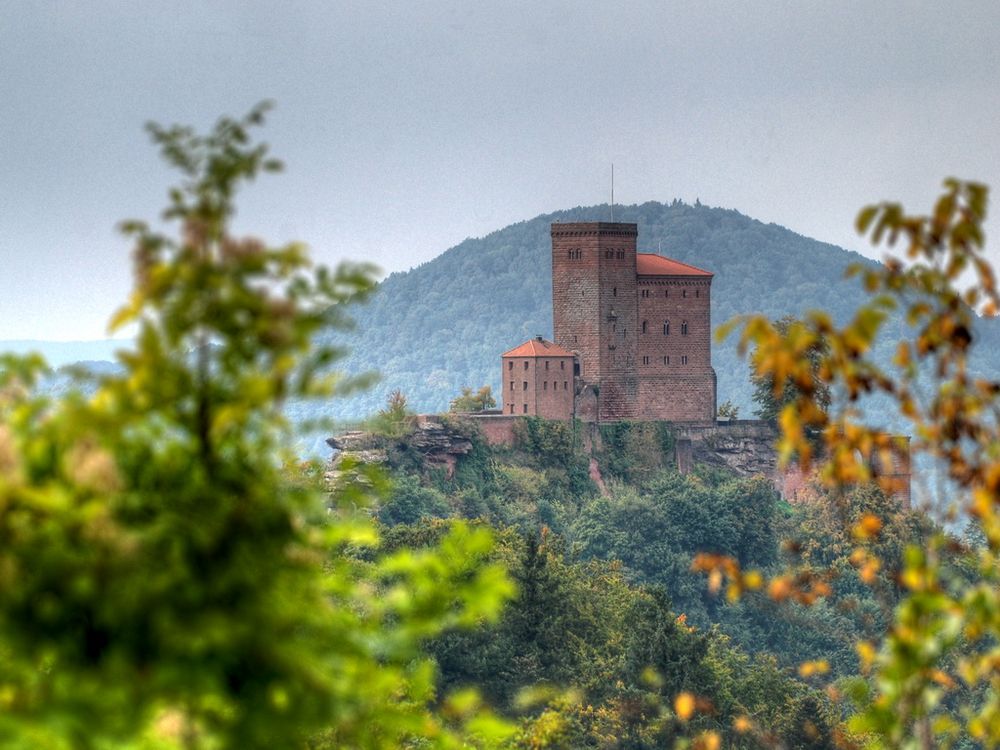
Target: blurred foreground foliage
{"type": "Point", "coordinates": [931, 677]}
{"type": "Point", "coordinates": [169, 578]}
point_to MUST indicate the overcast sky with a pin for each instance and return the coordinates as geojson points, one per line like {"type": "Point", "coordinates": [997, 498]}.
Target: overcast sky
{"type": "Point", "coordinates": [409, 126]}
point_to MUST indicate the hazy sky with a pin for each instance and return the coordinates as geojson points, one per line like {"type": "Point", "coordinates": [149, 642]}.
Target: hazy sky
{"type": "Point", "coordinates": [409, 126]}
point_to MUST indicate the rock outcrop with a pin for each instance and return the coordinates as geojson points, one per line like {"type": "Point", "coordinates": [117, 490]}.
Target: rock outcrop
{"type": "Point", "coordinates": [438, 441]}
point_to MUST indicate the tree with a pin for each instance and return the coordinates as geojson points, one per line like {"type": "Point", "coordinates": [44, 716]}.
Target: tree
{"type": "Point", "coordinates": [468, 401]}
{"type": "Point", "coordinates": [933, 677]}
{"type": "Point", "coordinates": [772, 396]}
{"type": "Point", "coordinates": [162, 582]}
{"type": "Point", "coordinates": [395, 420]}
{"type": "Point", "coordinates": [728, 410]}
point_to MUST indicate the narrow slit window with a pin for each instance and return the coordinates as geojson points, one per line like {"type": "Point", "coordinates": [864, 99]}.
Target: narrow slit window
{"type": "Point", "coordinates": [524, 385]}
{"type": "Point", "coordinates": [645, 326]}
{"type": "Point", "coordinates": [684, 359]}
{"type": "Point", "coordinates": [525, 408]}
{"type": "Point", "coordinates": [684, 328]}
{"type": "Point", "coordinates": [666, 328]}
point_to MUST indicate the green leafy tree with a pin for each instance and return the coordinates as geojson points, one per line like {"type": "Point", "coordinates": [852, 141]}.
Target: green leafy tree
{"type": "Point", "coordinates": [395, 420]}
{"type": "Point", "coordinates": [770, 395]}
{"type": "Point", "coordinates": [162, 582]}
{"type": "Point", "coordinates": [728, 410]}
{"type": "Point", "coordinates": [468, 401]}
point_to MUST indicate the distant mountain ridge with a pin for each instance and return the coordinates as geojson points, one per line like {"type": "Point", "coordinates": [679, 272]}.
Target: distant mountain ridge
{"type": "Point", "coordinates": [59, 353]}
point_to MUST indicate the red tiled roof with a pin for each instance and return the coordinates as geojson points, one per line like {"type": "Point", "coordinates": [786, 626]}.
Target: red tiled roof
{"type": "Point", "coordinates": [651, 264]}
{"type": "Point", "coordinates": [537, 347]}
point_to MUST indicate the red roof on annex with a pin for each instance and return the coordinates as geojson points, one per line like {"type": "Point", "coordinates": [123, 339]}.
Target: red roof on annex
{"type": "Point", "coordinates": [651, 264]}
{"type": "Point", "coordinates": [538, 347]}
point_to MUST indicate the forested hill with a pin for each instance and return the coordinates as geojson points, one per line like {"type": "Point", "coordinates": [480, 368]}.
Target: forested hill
{"type": "Point", "coordinates": [444, 324]}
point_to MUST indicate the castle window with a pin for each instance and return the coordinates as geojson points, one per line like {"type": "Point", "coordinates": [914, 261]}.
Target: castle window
{"type": "Point", "coordinates": [562, 364]}
{"type": "Point", "coordinates": [510, 365]}
{"type": "Point", "coordinates": [645, 360]}
{"type": "Point", "coordinates": [684, 328]}
{"type": "Point", "coordinates": [565, 385]}
{"type": "Point", "coordinates": [621, 255]}
{"type": "Point", "coordinates": [525, 364]}
{"type": "Point", "coordinates": [666, 360]}
{"type": "Point", "coordinates": [525, 408]}
{"type": "Point", "coordinates": [684, 292]}
{"type": "Point", "coordinates": [666, 292]}
{"type": "Point", "coordinates": [546, 364]}
{"type": "Point", "coordinates": [512, 408]}
{"type": "Point", "coordinates": [545, 385]}
{"type": "Point", "coordinates": [645, 292]}
{"type": "Point", "coordinates": [684, 359]}
{"type": "Point", "coordinates": [607, 254]}
{"type": "Point", "coordinates": [524, 385]}
{"type": "Point", "coordinates": [645, 326]}
{"type": "Point", "coordinates": [512, 385]}
{"type": "Point", "coordinates": [697, 292]}
{"type": "Point", "coordinates": [614, 292]}
{"type": "Point", "coordinates": [666, 328]}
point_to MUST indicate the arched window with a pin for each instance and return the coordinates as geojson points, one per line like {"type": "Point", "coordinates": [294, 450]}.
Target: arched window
{"type": "Point", "coordinates": [684, 328]}
{"type": "Point", "coordinates": [645, 326]}
{"type": "Point", "coordinates": [666, 328]}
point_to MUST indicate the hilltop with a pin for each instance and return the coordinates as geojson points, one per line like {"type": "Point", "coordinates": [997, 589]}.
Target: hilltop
{"type": "Point", "coordinates": [443, 324]}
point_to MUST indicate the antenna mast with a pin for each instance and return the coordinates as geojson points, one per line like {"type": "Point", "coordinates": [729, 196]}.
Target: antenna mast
{"type": "Point", "coordinates": [612, 192]}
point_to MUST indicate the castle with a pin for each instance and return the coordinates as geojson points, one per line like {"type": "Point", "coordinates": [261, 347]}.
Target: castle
{"type": "Point", "coordinates": [632, 335]}
{"type": "Point", "coordinates": [632, 343]}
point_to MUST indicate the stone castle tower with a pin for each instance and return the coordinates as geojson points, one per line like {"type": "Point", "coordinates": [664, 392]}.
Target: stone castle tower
{"type": "Point", "coordinates": [638, 323]}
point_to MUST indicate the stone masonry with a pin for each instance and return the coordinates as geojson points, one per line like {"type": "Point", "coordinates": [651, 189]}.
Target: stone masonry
{"type": "Point", "coordinates": [638, 324]}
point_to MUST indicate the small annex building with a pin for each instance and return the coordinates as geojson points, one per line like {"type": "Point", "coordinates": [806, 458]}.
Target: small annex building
{"type": "Point", "coordinates": [537, 379]}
